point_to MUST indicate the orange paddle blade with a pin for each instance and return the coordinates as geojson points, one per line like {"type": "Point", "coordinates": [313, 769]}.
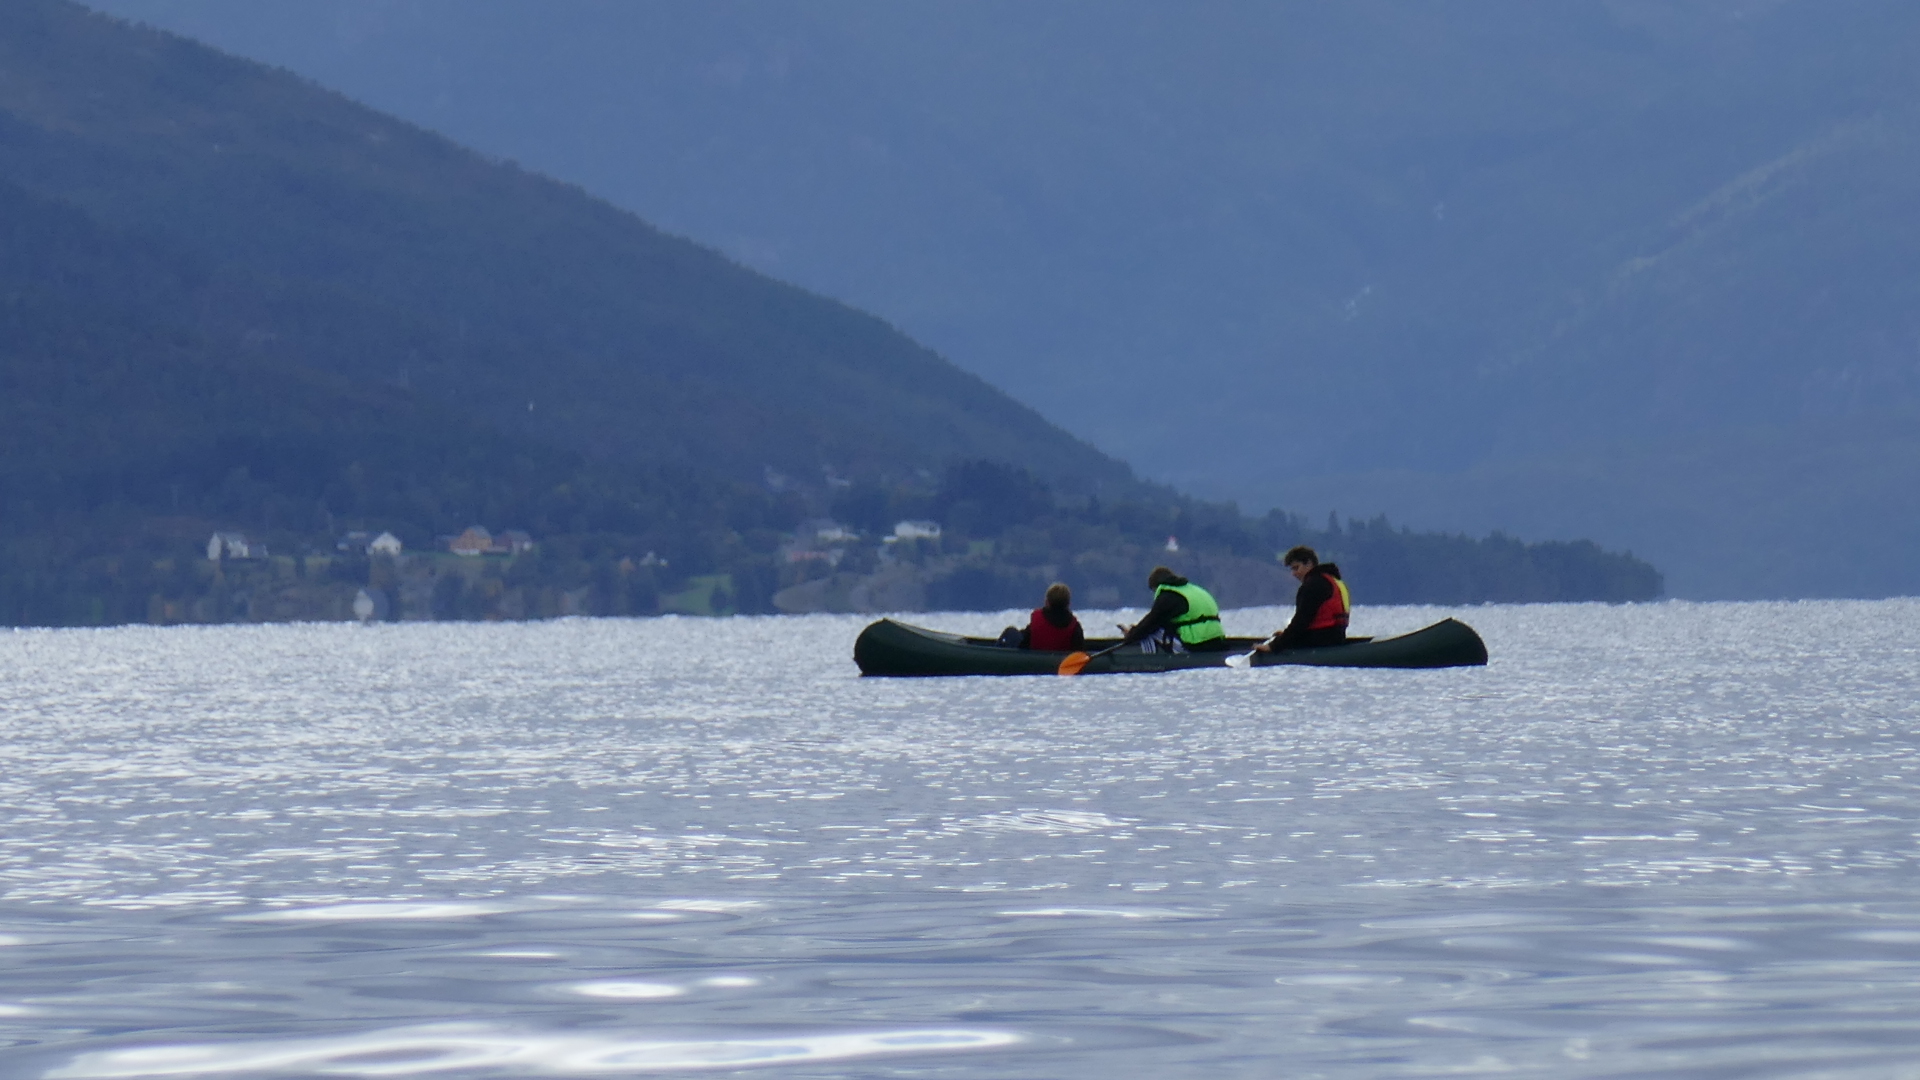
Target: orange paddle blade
{"type": "Point", "coordinates": [1073, 663]}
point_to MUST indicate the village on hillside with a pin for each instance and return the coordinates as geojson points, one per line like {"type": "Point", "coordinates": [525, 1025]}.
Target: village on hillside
{"type": "Point", "coordinates": [823, 565]}
{"type": "Point", "coordinates": [474, 541]}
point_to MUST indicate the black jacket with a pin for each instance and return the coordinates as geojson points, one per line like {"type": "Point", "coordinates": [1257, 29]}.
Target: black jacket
{"type": "Point", "coordinates": [1167, 606]}
{"type": "Point", "coordinates": [1315, 589]}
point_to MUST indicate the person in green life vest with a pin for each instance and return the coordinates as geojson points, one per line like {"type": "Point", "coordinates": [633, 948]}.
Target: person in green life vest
{"type": "Point", "coordinates": [1184, 616]}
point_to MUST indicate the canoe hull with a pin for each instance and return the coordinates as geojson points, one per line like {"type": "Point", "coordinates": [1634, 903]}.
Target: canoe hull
{"type": "Point", "coordinates": [892, 648]}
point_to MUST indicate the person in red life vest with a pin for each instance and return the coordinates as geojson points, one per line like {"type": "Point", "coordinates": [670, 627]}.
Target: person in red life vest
{"type": "Point", "coordinates": [1321, 606]}
{"type": "Point", "coordinates": [1054, 627]}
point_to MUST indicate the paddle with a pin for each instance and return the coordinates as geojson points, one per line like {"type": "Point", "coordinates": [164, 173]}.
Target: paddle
{"type": "Point", "coordinates": [1076, 661]}
{"type": "Point", "coordinates": [1243, 661]}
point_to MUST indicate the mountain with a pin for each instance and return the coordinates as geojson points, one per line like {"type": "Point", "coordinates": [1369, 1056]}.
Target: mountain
{"type": "Point", "coordinates": [1628, 269]}
{"type": "Point", "coordinates": [246, 324]}
{"type": "Point", "coordinates": [127, 435]}
{"type": "Point", "coordinates": [346, 241]}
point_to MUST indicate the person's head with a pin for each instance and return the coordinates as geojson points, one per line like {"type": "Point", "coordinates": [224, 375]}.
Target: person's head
{"type": "Point", "coordinates": [1163, 576]}
{"type": "Point", "coordinates": [1300, 560]}
{"type": "Point", "coordinates": [1059, 597]}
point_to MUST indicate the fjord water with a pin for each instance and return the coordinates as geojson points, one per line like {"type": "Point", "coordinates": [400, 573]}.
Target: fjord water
{"type": "Point", "coordinates": [1662, 840]}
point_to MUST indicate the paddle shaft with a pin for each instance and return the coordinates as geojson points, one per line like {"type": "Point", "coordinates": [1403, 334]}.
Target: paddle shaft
{"type": "Point", "coordinates": [1076, 662]}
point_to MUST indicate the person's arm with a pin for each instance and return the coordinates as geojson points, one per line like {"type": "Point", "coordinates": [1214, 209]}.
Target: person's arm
{"type": "Point", "coordinates": [1079, 636]}
{"type": "Point", "coordinates": [1167, 606]}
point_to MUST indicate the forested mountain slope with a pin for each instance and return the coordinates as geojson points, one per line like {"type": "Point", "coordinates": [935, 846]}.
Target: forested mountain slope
{"type": "Point", "coordinates": [1632, 269]}
{"type": "Point", "coordinates": [234, 303]}
{"type": "Point", "coordinates": [353, 243]}
{"type": "Point", "coordinates": [127, 434]}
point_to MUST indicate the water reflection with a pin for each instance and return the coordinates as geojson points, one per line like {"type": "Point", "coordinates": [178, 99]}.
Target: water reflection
{"type": "Point", "coordinates": [422, 1051]}
{"type": "Point", "coordinates": [1654, 841]}
{"type": "Point", "coordinates": [374, 911]}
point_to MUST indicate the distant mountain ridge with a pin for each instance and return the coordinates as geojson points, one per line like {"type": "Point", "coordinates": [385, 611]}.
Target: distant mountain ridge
{"type": "Point", "coordinates": [232, 302]}
{"type": "Point", "coordinates": [1639, 270]}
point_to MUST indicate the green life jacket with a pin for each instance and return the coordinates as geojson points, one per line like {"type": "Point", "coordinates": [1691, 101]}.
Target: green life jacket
{"type": "Point", "coordinates": [1202, 619]}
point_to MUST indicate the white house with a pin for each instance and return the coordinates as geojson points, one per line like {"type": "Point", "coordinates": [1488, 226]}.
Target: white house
{"type": "Point", "coordinates": [916, 530]}
{"type": "Point", "coordinates": [832, 532]}
{"type": "Point", "coordinates": [385, 544]}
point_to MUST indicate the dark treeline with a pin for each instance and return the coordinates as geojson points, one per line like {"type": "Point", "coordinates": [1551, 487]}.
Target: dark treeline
{"type": "Point", "coordinates": [1104, 548]}
{"type": "Point", "coordinates": [646, 548]}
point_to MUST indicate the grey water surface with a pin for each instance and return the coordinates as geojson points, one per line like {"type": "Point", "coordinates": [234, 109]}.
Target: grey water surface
{"type": "Point", "coordinates": [1672, 840]}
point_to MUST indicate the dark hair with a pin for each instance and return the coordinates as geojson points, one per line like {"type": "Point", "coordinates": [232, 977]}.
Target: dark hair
{"type": "Point", "coordinates": [1059, 597]}
{"type": "Point", "coordinates": [1163, 576]}
{"type": "Point", "coordinates": [1300, 553]}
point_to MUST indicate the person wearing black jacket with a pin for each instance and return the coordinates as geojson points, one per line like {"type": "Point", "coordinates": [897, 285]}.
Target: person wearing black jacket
{"type": "Point", "coordinates": [1321, 606]}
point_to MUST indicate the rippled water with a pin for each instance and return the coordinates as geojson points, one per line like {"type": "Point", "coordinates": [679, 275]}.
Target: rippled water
{"type": "Point", "coordinates": [1667, 840]}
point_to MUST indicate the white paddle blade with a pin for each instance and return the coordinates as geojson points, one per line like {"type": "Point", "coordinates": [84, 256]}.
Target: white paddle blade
{"type": "Point", "coordinates": [1240, 661]}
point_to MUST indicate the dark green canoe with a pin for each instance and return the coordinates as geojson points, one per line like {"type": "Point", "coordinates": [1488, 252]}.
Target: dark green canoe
{"type": "Point", "coordinates": [895, 648]}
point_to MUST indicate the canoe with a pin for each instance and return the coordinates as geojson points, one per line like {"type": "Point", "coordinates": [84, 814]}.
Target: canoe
{"type": "Point", "coordinates": [896, 648]}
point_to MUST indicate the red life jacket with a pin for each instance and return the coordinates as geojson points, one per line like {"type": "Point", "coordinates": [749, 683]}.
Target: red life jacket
{"type": "Point", "coordinates": [1046, 637]}
{"type": "Point", "coordinates": [1338, 608]}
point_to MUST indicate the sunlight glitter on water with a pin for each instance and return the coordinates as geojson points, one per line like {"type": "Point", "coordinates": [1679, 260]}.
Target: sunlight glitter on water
{"type": "Point", "coordinates": [1671, 839]}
